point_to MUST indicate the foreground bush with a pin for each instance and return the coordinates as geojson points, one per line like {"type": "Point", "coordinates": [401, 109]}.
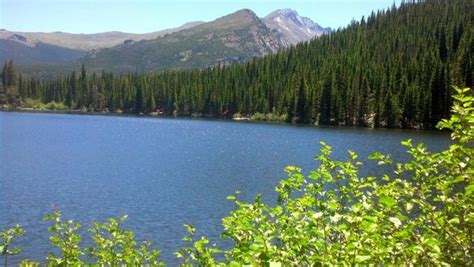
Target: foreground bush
{"type": "Point", "coordinates": [7, 236]}
{"type": "Point", "coordinates": [421, 214]}
{"type": "Point", "coordinates": [114, 245]}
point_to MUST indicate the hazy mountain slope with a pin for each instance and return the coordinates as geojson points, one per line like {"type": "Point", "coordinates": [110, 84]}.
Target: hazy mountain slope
{"type": "Point", "coordinates": [231, 39]}
{"type": "Point", "coordinates": [60, 47]}
{"type": "Point", "coordinates": [24, 53]}
{"type": "Point", "coordinates": [292, 27]}
{"type": "Point", "coordinates": [88, 41]}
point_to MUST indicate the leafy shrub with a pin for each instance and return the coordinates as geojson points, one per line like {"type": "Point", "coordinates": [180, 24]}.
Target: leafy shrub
{"type": "Point", "coordinates": [114, 246]}
{"type": "Point", "coordinates": [64, 237]}
{"type": "Point", "coordinates": [37, 104]}
{"type": "Point", "coordinates": [55, 106]}
{"type": "Point", "coordinates": [420, 214]}
{"type": "Point", "coordinates": [273, 117]}
{"type": "Point", "coordinates": [33, 103]}
{"type": "Point", "coordinates": [199, 252]}
{"type": "Point", "coordinates": [238, 115]}
{"type": "Point", "coordinates": [7, 235]}
{"type": "Point", "coordinates": [117, 246]}
{"type": "Point", "coordinates": [258, 117]}
{"type": "Point", "coordinates": [29, 263]}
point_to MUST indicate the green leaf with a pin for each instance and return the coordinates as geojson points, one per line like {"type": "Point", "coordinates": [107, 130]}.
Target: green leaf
{"type": "Point", "coordinates": [454, 221]}
{"type": "Point", "coordinates": [189, 228]}
{"type": "Point", "coordinates": [395, 221]}
{"type": "Point", "coordinates": [407, 143]}
{"type": "Point", "coordinates": [387, 201]}
{"type": "Point", "coordinates": [376, 156]}
{"type": "Point", "coordinates": [469, 189]}
{"type": "Point", "coordinates": [361, 259]}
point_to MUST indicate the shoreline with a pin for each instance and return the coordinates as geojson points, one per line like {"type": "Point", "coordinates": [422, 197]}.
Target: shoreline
{"type": "Point", "coordinates": [210, 118]}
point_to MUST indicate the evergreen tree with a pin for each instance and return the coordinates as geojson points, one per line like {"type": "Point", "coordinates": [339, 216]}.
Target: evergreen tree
{"type": "Point", "coordinates": [325, 115]}
{"type": "Point", "coordinates": [82, 87]}
{"type": "Point", "coordinates": [10, 74]}
{"type": "Point", "coordinates": [4, 75]}
{"type": "Point", "coordinates": [151, 104]}
{"type": "Point", "coordinates": [300, 111]}
{"type": "Point", "coordinates": [139, 98]}
{"type": "Point", "coordinates": [71, 90]}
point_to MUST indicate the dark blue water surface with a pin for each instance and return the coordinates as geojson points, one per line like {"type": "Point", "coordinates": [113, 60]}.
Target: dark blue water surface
{"type": "Point", "coordinates": [161, 172]}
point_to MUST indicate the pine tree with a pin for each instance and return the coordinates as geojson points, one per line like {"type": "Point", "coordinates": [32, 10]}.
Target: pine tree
{"type": "Point", "coordinates": [82, 88]}
{"type": "Point", "coordinates": [300, 111]}
{"type": "Point", "coordinates": [4, 75]}
{"type": "Point", "coordinates": [139, 98]}
{"type": "Point", "coordinates": [325, 105]}
{"type": "Point", "coordinates": [71, 91]}
{"type": "Point", "coordinates": [10, 74]}
{"type": "Point", "coordinates": [151, 104]}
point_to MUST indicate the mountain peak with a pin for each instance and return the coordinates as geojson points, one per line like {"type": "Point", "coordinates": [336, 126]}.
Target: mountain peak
{"type": "Point", "coordinates": [244, 14]}
{"type": "Point", "coordinates": [284, 11]}
{"type": "Point", "coordinates": [239, 19]}
{"type": "Point", "coordinates": [292, 26]}
{"type": "Point", "coordinates": [244, 11]}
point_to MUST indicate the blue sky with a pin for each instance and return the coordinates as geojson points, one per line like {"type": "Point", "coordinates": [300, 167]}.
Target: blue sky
{"type": "Point", "coordinates": [140, 16]}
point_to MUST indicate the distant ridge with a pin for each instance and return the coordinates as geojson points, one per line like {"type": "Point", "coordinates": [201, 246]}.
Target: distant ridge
{"type": "Point", "coordinates": [233, 38]}
{"type": "Point", "coordinates": [85, 42]}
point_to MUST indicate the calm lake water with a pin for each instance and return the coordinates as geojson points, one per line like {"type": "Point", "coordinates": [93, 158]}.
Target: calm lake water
{"type": "Point", "coordinates": [161, 172]}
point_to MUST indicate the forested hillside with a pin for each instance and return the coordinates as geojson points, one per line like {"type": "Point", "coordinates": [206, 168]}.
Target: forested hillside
{"type": "Point", "coordinates": [392, 69]}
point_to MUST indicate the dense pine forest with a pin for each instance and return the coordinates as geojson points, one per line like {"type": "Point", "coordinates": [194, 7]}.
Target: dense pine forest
{"type": "Point", "coordinates": [394, 68]}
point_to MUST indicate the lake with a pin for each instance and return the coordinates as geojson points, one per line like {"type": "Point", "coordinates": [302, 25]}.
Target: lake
{"type": "Point", "coordinates": [161, 172]}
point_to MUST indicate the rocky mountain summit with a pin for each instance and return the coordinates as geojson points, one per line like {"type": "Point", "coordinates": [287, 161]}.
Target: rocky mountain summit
{"type": "Point", "coordinates": [293, 27]}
